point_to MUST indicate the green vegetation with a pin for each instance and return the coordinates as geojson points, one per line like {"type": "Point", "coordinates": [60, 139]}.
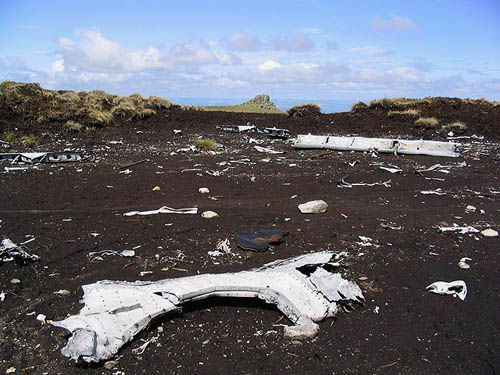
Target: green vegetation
{"type": "Point", "coordinates": [28, 141]}
{"type": "Point", "coordinates": [427, 122]}
{"type": "Point", "coordinates": [398, 103]}
{"type": "Point", "coordinates": [89, 109]}
{"type": "Point", "coordinates": [74, 126]}
{"type": "Point", "coordinates": [205, 144]}
{"type": "Point", "coordinates": [409, 113]}
{"type": "Point", "coordinates": [358, 106]}
{"type": "Point", "coordinates": [304, 110]}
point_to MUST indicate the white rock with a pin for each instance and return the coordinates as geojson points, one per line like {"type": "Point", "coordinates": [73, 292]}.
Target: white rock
{"type": "Point", "coordinates": [470, 208]}
{"type": "Point", "coordinates": [209, 215]}
{"type": "Point", "coordinates": [463, 263]}
{"type": "Point", "coordinates": [313, 207]}
{"type": "Point", "coordinates": [204, 190]}
{"type": "Point", "coordinates": [489, 233]}
{"type": "Point", "coordinates": [62, 292]}
{"type": "Point", "coordinates": [156, 188]}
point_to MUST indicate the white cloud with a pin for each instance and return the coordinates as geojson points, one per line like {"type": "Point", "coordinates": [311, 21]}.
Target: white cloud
{"type": "Point", "coordinates": [395, 23]}
{"type": "Point", "coordinates": [269, 65]}
{"type": "Point", "coordinates": [95, 53]}
{"type": "Point", "coordinates": [243, 42]}
{"type": "Point", "coordinates": [56, 67]}
{"type": "Point", "coordinates": [295, 44]}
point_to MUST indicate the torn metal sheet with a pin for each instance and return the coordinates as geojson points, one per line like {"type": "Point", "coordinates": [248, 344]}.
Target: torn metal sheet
{"type": "Point", "coordinates": [456, 288]}
{"type": "Point", "coordinates": [10, 251]}
{"type": "Point", "coordinates": [385, 145]}
{"type": "Point", "coordinates": [249, 128]}
{"type": "Point", "coordinates": [307, 289]}
{"type": "Point", "coordinates": [42, 157]}
{"type": "Point", "coordinates": [164, 210]}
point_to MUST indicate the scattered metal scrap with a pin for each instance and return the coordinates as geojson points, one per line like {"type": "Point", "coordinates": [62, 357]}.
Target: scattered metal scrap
{"type": "Point", "coordinates": [249, 128]}
{"type": "Point", "coordinates": [307, 289]}
{"type": "Point", "coordinates": [96, 256]}
{"type": "Point", "coordinates": [10, 251]}
{"type": "Point", "coordinates": [385, 145]}
{"type": "Point", "coordinates": [342, 183]}
{"type": "Point", "coordinates": [41, 157]}
{"type": "Point", "coordinates": [456, 288]}
{"type": "Point", "coordinates": [164, 210]}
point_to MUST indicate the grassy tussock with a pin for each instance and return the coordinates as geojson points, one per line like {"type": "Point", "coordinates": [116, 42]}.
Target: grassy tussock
{"type": "Point", "coordinates": [27, 141]}
{"type": "Point", "coordinates": [358, 106]}
{"type": "Point", "coordinates": [74, 126]}
{"type": "Point", "coordinates": [205, 144]}
{"type": "Point", "coordinates": [304, 110]}
{"type": "Point", "coordinates": [409, 113]}
{"type": "Point", "coordinates": [427, 122]}
{"type": "Point", "coordinates": [90, 109]}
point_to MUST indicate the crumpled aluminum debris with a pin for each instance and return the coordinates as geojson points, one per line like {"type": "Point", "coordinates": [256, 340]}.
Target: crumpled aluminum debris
{"type": "Point", "coordinates": [10, 251]}
{"type": "Point", "coordinates": [456, 288]}
{"type": "Point", "coordinates": [307, 289]}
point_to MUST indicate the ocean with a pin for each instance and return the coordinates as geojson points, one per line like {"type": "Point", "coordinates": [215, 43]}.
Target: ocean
{"type": "Point", "coordinates": [327, 106]}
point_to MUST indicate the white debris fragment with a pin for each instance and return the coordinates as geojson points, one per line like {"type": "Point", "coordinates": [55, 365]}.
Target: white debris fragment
{"type": "Point", "coordinates": [10, 370]}
{"type": "Point", "coordinates": [62, 292]}
{"type": "Point", "coordinates": [156, 188]}
{"type": "Point", "coordinates": [203, 190]}
{"type": "Point", "coordinates": [470, 209]}
{"type": "Point", "coordinates": [461, 230]}
{"type": "Point", "coordinates": [344, 184]}
{"type": "Point", "coordinates": [268, 150]}
{"type": "Point", "coordinates": [391, 170]}
{"type": "Point", "coordinates": [2, 296]}
{"type": "Point", "coordinates": [164, 210]}
{"type": "Point", "coordinates": [376, 310]}
{"type": "Point", "coordinates": [126, 171]}
{"type": "Point", "coordinates": [177, 131]}
{"type": "Point", "coordinates": [224, 246]}
{"type": "Point", "coordinates": [365, 241]}
{"type": "Point", "coordinates": [209, 215]}
{"type": "Point", "coordinates": [41, 318]}
{"type": "Point", "coordinates": [437, 191]}
{"type": "Point", "coordinates": [313, 207]}
{"type": "Point", "coordinates": [456, 288]}
{"type": "Point", "coordinates": [307, 289]}
{"type": "Point", "coordinates": [489, 233]}
{"type": "Point", "coordinates": [140, 350]}
{"type": "Point", "coordinates": [95, 256]}
{"type": "Point", "coordinates": [463, 263]}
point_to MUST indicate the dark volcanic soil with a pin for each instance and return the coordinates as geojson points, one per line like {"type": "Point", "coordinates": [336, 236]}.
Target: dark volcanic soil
{"type": "Point", "coordinates": [75, 208]}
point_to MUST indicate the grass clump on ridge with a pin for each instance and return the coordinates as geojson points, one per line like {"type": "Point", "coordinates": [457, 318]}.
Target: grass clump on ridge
{"type": "Point", "coordinates": [427, 122]}
{"type": "Point", "coordinates": [409, 113]}
{"type": "Point", "coordinates": [90, 109]}
{"type": "Point", "coordinates": [206, 144]}
{"type": "Point", "coordinates": [305, 110]}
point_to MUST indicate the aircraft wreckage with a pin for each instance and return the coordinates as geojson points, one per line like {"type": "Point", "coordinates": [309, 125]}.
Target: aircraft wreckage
{"type": "Point", "coordinates": [307, 289]}
{"type": "Point", "coordinates": [384, 145]}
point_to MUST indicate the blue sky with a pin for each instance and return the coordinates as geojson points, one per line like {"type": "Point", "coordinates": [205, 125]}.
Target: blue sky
{"type": "Point", "coordinates": [307, 49]}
